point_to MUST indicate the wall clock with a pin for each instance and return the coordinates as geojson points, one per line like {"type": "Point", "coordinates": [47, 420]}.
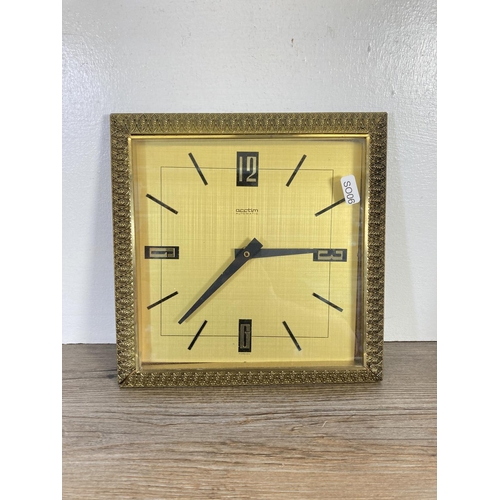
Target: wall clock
{"type": "Point", "coordinates": [249, 248]}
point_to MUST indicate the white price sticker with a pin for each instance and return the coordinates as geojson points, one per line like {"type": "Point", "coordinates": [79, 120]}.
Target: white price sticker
{"type": "Point", "coordinates": [351, 193]}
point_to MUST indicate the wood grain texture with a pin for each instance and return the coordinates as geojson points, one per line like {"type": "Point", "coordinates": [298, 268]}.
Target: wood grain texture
{"type": "Point", "coordinates": [347, 442]}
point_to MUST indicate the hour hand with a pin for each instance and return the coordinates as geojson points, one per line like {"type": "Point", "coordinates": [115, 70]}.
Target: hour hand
{"type": "Point", "coordinates": [247, 253]}
{"type": "Point", "coordinates": [277, 252]}
{"type": "Point", "coordinates": [319, 254]}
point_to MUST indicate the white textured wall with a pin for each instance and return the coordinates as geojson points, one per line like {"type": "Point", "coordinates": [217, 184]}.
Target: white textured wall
{"type": "Point", "coordinates": [249, 56]}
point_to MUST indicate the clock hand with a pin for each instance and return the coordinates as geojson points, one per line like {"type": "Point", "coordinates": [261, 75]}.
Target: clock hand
{"type": "Point", "coordinates": [277, 252]}
{"type": "Point", "coordinates": [327, 253]}
{"type": "Point", "coordinates": [249, 252]}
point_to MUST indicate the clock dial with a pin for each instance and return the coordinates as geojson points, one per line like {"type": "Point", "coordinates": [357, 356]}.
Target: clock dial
{"type": "Point", "coordinates": [247, 252]}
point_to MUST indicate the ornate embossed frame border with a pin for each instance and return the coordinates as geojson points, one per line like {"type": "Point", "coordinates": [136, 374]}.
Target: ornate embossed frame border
{"type": "Point", "coordinates": [123, 126]}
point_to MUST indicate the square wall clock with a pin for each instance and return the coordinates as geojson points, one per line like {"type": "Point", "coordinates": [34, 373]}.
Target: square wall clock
{"type": "Point", "coordinates": [249, 248]}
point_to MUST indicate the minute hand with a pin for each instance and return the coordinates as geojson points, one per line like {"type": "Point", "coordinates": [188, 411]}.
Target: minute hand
{"type": "Point", "coordinates": [247, 253]}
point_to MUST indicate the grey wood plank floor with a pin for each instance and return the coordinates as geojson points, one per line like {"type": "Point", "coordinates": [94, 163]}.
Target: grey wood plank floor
{"type": "Point", "coordinates": [352, 442]}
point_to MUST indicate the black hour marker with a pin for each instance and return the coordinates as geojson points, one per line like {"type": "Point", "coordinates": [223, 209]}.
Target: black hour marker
{"type": "Point", "coordinates": [292, 336]}
{"type": "Point", "coordinates": [195, 338]}
{"type": "Point", "coordinates": [330, 255]}
{"type": "Point", "coordinates": [156, 252]}
{"type": "Point", "coordinates": [295, 171]}
{"type": "Point", "coordinates": [330, 207]}
{"type": "Point", "coordinates": [245, 335]}
{"type": "Point", "coordinates": [164, 205]}
{"type": "Point", "coordinates": [247, 169]}
{"type": "Point", "coordinates": [198, 169]}
{"type": "Point", "coordinates": [163, 300]}
{"type": "Point", "coordinates": [327, 302]}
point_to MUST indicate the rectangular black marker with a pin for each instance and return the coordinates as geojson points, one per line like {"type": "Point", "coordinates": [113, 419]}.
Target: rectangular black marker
{"type": "Point", "coordinates": [245, 335]}
{"type": "Point", "coordinates": [157, 252]}
{"type": "Point", "coordinates": [247, 169]}
{"type": "Point", "coordinates": [330, 255]}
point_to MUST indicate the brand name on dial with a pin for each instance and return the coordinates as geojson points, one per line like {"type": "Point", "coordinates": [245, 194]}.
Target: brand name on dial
{"type": "Point", "coordinates": [247, 211]}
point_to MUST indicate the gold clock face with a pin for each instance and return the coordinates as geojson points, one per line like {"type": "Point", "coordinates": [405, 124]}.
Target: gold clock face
{"type": "Point", "coordinates": [249, 251]}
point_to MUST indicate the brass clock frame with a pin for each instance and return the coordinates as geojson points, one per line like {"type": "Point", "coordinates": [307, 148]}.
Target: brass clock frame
{"type": "Point", "coordinates": [372, 126]}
